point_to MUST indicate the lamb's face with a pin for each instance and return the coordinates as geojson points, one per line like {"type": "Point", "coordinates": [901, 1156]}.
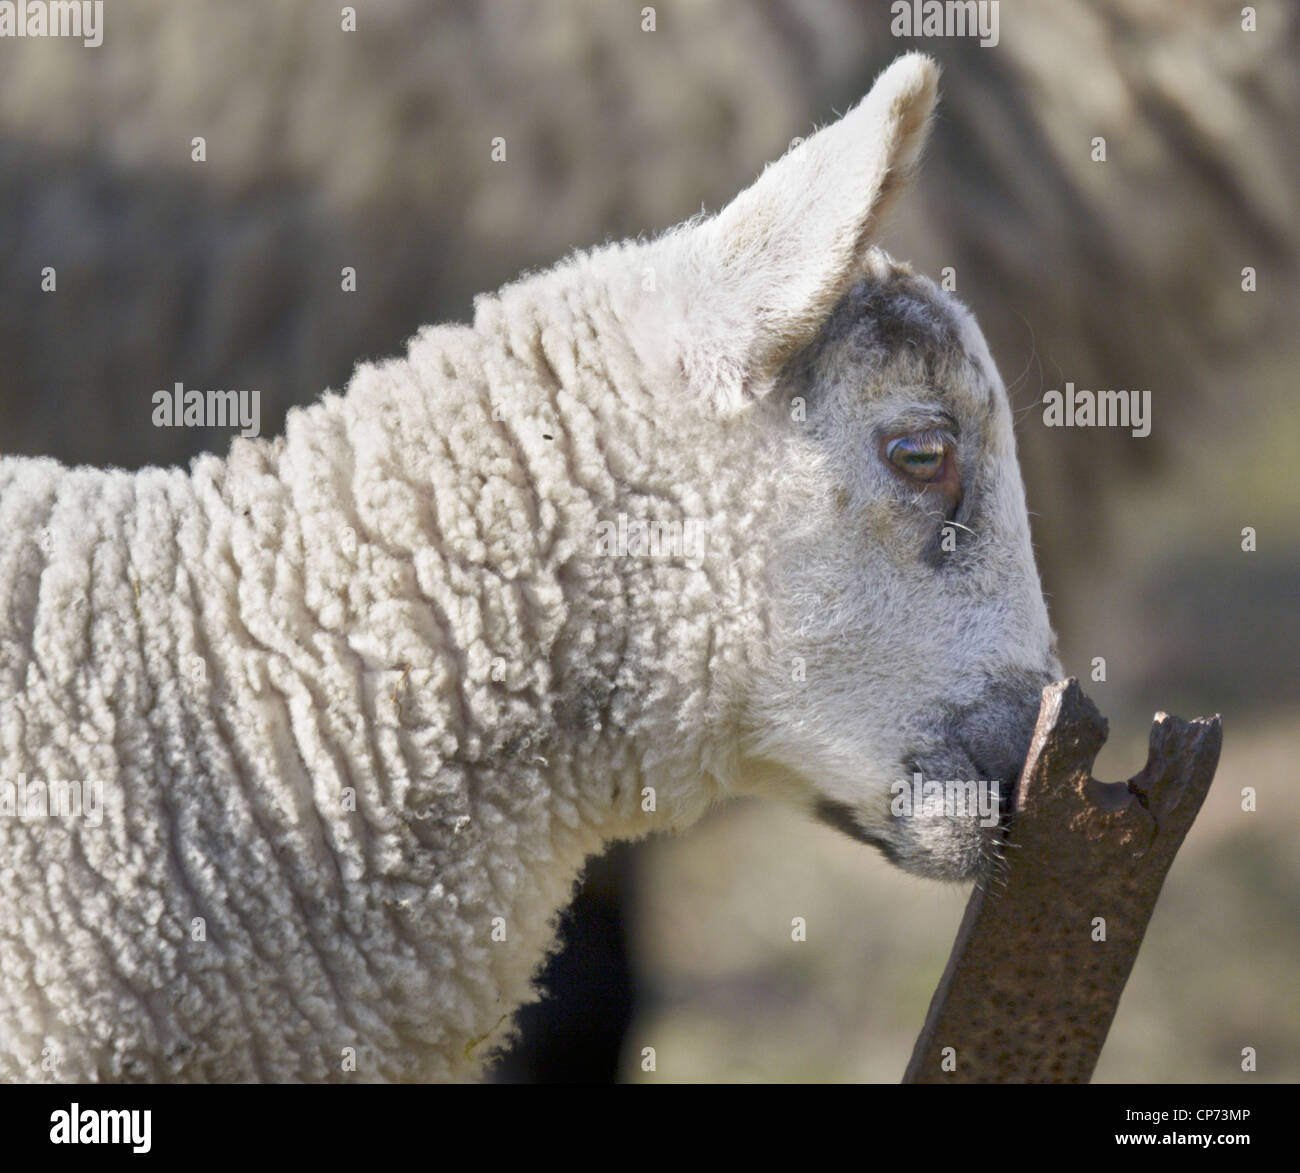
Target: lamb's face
{"type": "Point", "coordinates": [907, 636]}
{"type": "Point", "coordinates": [912, 638]}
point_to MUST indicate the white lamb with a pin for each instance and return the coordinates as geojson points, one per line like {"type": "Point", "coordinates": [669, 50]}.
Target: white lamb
{"type": "Point", "coordinates": [736, 510]}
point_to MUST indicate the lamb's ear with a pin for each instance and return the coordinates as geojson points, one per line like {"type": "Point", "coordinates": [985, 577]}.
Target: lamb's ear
{"type": "Point", "coordinates": [762, 275]}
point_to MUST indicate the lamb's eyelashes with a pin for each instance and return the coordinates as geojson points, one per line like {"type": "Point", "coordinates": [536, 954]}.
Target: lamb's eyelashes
{"type": "Point", "coordinates": [937, 495]}
{"type": "Point", "coordinates": [925, 461]}
{"type": "Point", "coordinates": [920, 456]}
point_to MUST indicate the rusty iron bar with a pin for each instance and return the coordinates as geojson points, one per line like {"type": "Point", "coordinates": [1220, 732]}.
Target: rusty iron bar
{"type": "Point", "coordinates": [1029, 994]}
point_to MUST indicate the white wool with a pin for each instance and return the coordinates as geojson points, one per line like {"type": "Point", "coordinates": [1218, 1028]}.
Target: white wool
{"type": "Point", "coordinates": [364, 698]}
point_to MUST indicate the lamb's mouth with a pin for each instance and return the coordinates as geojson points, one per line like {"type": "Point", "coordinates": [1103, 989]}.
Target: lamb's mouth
{"type": "Point", "coordinates": [957, 848]}
{"type": "Point", "coordinates": [970, 766]}
{"type": "Point", "coordinates": [840, 815]}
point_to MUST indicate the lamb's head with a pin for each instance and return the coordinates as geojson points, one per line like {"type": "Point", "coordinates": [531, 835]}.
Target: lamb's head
{"type": "Point", "coordinates": [907, 632]}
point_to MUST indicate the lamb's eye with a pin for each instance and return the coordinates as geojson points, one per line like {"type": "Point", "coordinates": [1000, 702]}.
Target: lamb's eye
{"type": "Point", "coordinates": [921, 455]}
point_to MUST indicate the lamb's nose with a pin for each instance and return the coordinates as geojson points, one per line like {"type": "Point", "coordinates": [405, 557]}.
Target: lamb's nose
{"type": "Point", "coordinates": [996, 730]}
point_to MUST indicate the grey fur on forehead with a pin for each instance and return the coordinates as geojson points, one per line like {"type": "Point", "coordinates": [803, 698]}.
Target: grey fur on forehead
{"type": "Point", "coordinates": [890, 313]}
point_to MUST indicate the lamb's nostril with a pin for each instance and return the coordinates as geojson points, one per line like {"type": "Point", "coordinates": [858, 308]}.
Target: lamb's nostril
{"type": "Point", "coordinates": [996, 732]}
{"type": "Point", "coordinates": [999, 757]}
{"type": "Point", "coordinates": [1004, 768]}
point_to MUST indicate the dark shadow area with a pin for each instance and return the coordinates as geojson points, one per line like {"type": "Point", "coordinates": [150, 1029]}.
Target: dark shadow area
{"type": "Point", "coordinates": [575, 1033]}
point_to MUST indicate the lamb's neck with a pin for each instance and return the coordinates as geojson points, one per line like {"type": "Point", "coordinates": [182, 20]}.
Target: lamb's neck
{"type": "Point", "coordinates": [536, 577]}
{"type": "Point", "coordinates": [635, 528]}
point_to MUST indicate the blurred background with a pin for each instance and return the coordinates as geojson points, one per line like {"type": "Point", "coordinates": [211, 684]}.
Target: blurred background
{"type": "Point", "coordinates": [371, 148]}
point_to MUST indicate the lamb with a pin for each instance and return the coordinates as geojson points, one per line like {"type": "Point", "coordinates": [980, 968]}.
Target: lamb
{"type": "Point", "coordinates": [352, 707]}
